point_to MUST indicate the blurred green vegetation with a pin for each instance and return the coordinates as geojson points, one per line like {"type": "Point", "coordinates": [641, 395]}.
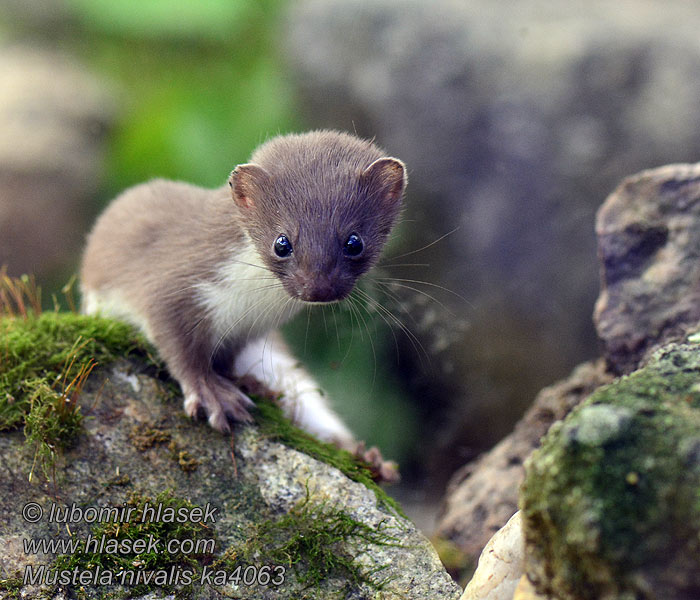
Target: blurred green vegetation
{"type": "Point", "coordinates": [197, 85]}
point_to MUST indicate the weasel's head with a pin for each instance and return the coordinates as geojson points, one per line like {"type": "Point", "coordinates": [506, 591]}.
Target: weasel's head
{"type": "Point", "coordinates": [319, 208]}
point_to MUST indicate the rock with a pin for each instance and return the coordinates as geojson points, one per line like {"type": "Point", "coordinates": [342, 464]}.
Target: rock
{"type": "Point", "coordinates": [271, 506]}
{"type": "Point", "coordinates": [54, 116]}
{"type": "Point", "coordinates": [483, 495]}
{"type": "Point", "coordinates": [610, 501]}
{"type": "Point", "coordinates": [501, 565]}
{"type": "Point", "coordinates": [649, 246]}
{"type": "Point", "coordinates": [526, 591]}
{"type": "Point", "coordinates": [649, 238]}
{"type": "Point", "coordinates": [516, 119]}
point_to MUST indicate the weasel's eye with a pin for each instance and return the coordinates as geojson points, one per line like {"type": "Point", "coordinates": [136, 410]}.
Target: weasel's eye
{"type": "Point", "coordinates": [353, 245]}
{"type": "Point", "coordinates": [283, 247]}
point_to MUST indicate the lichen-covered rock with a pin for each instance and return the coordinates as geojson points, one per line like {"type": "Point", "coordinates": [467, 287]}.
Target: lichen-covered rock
{"type": "Point", "coordinates": [295, 525]}
{"type": "Point", "coordinates": [649, 247]}
{"type": "Point", "coordinates": [611, 501]}
{"type": "Point", "coordinates": [483, 495]}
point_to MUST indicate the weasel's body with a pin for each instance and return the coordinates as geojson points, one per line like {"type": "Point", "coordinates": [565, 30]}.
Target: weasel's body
{"type": "Point", "coordinates": [207, 275]}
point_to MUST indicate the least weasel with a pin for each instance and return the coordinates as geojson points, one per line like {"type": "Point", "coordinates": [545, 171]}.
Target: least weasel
{"type": "Point", "coordinates": [209, 275]}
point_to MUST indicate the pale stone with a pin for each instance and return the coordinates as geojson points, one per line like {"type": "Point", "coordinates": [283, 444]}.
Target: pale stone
{"type": "Point", "coordinates": [501, 564]}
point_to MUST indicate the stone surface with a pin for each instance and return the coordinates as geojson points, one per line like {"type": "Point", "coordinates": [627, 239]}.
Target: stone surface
{"type": "Point", "coordinates": [516, 120]}
{"type": "Point", "coordinates": [649, 251]}
{"type": "Point", "coordinates": [137, 440]}
{"type": "Point", "coordinates": [649, 245]}
{"type": "Point", "coordinates": [483, 495]}
{"type": "Point", "coordinates": [526, 591]}
{"type": "Point", "coordinates": [501, 565]}
{"type": "Point", "coordinates": [610, 501]}
{"type": "Point", "coordinates": [53, 115]}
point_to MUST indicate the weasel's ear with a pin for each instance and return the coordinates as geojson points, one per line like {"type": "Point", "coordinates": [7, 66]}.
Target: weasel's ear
{"type": "Point", "coordinates": [389, 176]}
{"type": "Point", "coordinates": [247, 182]}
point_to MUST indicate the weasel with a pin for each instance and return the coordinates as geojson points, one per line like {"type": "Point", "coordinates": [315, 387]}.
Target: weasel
{"type": "Point", "coordinates": [209, 275]}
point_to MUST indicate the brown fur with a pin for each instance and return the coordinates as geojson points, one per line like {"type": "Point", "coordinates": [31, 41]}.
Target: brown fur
{"type": "Point", "coordinates": [158, 242]}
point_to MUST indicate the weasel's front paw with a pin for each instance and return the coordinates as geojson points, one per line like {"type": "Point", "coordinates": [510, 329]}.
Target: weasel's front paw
{"type": "Point", "coordinates": [219, 400]}
{"type": "Point", "coordinates": [382, 470]}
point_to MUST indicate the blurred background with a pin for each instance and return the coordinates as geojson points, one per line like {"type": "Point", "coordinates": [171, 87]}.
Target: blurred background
{"type": "Point", "coordinates": [516, 119]}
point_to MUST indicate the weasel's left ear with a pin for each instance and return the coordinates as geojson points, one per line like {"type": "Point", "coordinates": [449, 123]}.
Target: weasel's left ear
{"type": "Point", "coordinates": [388, 175]}
{"type": "Point", "coordinates": [247, 182]}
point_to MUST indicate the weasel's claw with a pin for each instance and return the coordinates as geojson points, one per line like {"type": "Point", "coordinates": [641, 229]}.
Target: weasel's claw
{"type": "Point", "coordinates": [382, 470]}
{"type": "Point", "coordinates": [220, 401]}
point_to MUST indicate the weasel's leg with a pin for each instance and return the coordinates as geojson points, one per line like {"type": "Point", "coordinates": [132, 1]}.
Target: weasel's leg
{"type": "Point", "coordinates": [268, 360]}
{"type": "Point", "coordinates": [207, 394]}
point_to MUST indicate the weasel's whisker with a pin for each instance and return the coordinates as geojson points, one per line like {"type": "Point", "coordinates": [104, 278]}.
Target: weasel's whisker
{"type": "Point", "coordinates": [387, 291]}
{"type": "Point", "coordinates": [388, 324]}
{"type": "Point", "coordinates": [419, 282]}
{"type": "Point", "coordinates": [335, 322]}
{"type": "Point", "coordinates": [289, 301]}
{"type": "Point", "coordinates": [415, 342]}
{"type": "Point", "coordinates": [230, 328]}
{"type": "Point", "coordinates": [308, 324]}
{"type": "Point", "coordinates": [351, 310]}
{"type": "Point", "coordinates": [249, 264]}
{"type": "Point", "coordinates": [323, 313]}
{"type": "Point", "coordinates": [442, 237]}
{"type": "Point", "coordinates": [371, 345]}
{"type": "Point", "coordinates": [392, 265]}
{"type": "Point", "coordinates": [418, 291]}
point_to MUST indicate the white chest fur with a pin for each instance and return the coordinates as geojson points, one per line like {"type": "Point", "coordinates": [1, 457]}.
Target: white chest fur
{"type": "Point", "coordinates": [245, 300]}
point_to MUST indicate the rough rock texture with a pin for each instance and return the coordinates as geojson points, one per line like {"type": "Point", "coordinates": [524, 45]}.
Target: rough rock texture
{"type": "Point", "coordinates": [483, 495]}
{"type": "Point", "coordinates": [610, 502]}
{"type": "Point", "coordinates": [137, 440]}
{"type": "Point", "coordinates": [649, 250]}
{"type": "Point", "coordinates": [53, 115]}
{"type": "Point", "coordinates": [649, 243]}
{"type": "Point", "coordinates": [516, 119]}
{"type": "Point", "coordinates": [501, 565]}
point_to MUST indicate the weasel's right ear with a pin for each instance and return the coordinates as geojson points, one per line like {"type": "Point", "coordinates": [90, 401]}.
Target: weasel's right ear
{"type": "Point", "coordinates": [388, 175]}
{"type": "Point", "coordinates": [247, 182]}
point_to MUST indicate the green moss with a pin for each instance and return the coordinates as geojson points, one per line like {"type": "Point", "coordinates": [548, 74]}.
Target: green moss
{"type": "Point", "coordinates": [317, 541]}
{"type": "Point", "coordinates": [11, 587]}
{"type": "Point", "coordinates": [49, 350]}
{"type": "Point", "coordinates": [41, 355]}
{"type": "Point", "coordinates": [275, 425]}
{"type": "Point", "coordinates": [44, 362]}
{"type": "Point", "coordinates": [144, 527]}
{"type": "Point", "coordinates": [611, 499]}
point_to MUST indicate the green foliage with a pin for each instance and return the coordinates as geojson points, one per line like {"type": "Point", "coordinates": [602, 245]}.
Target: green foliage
{"type": "Point", "coordinates": [201, 82]}
{"type": "Point", "coordinates": [213, 20]}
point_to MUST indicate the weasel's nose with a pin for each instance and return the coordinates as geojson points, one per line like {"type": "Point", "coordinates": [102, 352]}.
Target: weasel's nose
{"type": "Point", "coordinates": [317, 287]}
{"type": "Point", "coordinates": [321, 294]}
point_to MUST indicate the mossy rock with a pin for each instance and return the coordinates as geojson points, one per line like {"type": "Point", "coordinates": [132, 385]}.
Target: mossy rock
{"type": "Point", "coordinates": [302, 517]}
{"type": "Point", "coordinates": [611, 500]}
